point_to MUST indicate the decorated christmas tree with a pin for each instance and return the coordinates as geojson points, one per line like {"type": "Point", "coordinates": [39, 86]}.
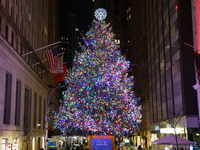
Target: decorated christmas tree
{"type": "Point", "coordinates": [99, 98]}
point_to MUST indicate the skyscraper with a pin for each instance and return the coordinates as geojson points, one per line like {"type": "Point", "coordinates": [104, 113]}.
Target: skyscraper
{"type": "Point", "coordinates": [67, 32]}
{"type": "Point", "coordinates": [173, 101]}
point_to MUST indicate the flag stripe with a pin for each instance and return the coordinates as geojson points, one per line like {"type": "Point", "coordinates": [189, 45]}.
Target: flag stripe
{"type": "Point", "coordinates": [49, 58]}
{"type": "Point", "coordinates": [52, 58]}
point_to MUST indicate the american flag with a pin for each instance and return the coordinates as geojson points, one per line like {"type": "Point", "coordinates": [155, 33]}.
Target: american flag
{"type": "Point", "coordinates": [52, 58]}
{"type": "Point", "coordinates": [197, 60]}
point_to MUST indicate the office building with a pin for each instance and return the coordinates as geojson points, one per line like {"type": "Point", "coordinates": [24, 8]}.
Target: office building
{"type": "Point", "coordinates": [67, 31]}
{"type": "Point", "coordinates": [25, 81]}
{"type": "Point", "coordinates": [173, 101]}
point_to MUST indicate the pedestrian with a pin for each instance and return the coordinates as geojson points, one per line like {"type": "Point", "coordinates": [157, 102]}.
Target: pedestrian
{"type": "Point", "coordinates": [139, 147]}
{"type": "Point", "coordinates": [77, 148]}
{"type": "Point", "coordinates": [81, 147]}
{"type": "Point", "coordinates": [41, 148]}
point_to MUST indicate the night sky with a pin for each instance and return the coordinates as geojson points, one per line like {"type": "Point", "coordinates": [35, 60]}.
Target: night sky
{"type": "Point", "coordinates": [83, 9]}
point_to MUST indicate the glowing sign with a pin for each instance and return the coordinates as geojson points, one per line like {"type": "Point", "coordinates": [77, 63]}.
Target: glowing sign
{"type": "Point", "coordinates": [171, 130]}
{"type": "Point", "coordinates": [102, 142]}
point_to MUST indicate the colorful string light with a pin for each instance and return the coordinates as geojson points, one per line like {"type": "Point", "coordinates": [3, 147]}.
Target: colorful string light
{"type": "Point", "coordinates": [99, 98]}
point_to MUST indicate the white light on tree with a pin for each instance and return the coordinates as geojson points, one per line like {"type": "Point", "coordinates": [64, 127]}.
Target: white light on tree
{"type": "Point", "coordinates": [100, 14]}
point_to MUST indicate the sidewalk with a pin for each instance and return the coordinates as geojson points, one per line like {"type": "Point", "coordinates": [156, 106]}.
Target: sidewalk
{"type": "Point", "coordinates": [131, 148]}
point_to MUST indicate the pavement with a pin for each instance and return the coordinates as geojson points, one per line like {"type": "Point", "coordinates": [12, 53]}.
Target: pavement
{"type": "Point", "coordinates": [132, 148]}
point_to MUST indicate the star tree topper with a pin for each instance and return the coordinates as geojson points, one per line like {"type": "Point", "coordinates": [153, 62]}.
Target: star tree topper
{"type": "Point", "coordinates": [100, 14]}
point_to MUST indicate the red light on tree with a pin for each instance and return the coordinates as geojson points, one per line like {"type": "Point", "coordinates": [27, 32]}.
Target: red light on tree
{"type": "Point", "coordinates": [176, 7]}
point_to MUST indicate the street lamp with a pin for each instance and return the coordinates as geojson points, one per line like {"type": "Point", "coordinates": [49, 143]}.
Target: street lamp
{"type": "Point", "coordinates": [40, 124]}
{"type": "Point", "coordinates": [47, 113]}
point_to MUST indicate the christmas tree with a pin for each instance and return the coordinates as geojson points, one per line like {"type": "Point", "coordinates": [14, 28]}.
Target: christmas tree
{"type": "Point", "coordinates": [99, 98]}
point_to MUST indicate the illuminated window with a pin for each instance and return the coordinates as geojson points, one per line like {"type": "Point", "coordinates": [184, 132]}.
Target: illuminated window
{"type": "Point", "coordinates": [4, 142]}
{"type": "Point", "coordinates": [173, 30]}
{"type": "Point", "coordinates": [15, 145]}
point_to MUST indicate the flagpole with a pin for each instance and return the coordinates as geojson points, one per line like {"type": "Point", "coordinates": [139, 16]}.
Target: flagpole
{"type": "Point", "coordinates": [44, 60]}
{"type": "Point", "coordinates": [191, 46]}
{"type": "Point", "coordinates": [48, 69]}
{"type": "Point", "coordinates": [41, 48]}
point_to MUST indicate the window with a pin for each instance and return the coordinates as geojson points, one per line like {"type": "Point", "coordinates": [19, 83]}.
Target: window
{"type": "Point", "coordinates": [7, 99]}
{"type": "Point", "coordinates": [6, 32]}
{"type": "Point", "coordinates": [35, 111]}
{"type": "Point", "coordinates": [44, 110]}
{"type": "Point", "coordinates": [17, 21]}
{"type": "Point", "coordinates": [27, 108]}
{"type": "Point", "coordinates": [166, 22]}
{"type": "Point", "coordinates": [12, 38]}
{"type": "Point", "coordinates": [40, 110]}
{"type": "Point", "coordinates": [18, 103]}
{"type": "Point", "coordinates": [15, 144]}
{"type": "Point", "coordinates": [21, 49]}
{"type": "Point", "coordinates": [0, 23]}
{"type": "Point", "coordinates": [11, 12]}
{"type": "Point", "coordinates": [173, 30]}
{"type": "Point", "coordinates": [4, 142]}
{"type": "Point", "coordinates": [7, 5]}
{"type": "Point", "coordinates": [17, 44]}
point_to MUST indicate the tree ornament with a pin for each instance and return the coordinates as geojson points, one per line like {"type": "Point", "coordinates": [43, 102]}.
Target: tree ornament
{"type": "Point", "coordinates": [100, 14]}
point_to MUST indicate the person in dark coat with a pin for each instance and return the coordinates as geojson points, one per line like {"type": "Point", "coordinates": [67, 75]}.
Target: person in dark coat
{"type": "Point", "coordinates": [139, 147]}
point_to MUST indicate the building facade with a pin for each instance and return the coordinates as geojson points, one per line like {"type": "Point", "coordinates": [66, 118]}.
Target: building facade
{"type": "Point", "coordinates": [137, 51]}
{"type": "Point", "coordinates": [67, 31]}
{"type": "Point", "coordinates": [173, 101]}
{"type": "Point", "coordinates": [25, 82]}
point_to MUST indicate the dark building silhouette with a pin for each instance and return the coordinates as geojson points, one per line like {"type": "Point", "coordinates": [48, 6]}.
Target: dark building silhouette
{"type": "Point", "coordinates": [67, 32]}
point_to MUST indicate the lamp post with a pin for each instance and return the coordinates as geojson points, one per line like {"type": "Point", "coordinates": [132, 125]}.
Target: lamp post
{"type": "Point", "coordinates": [47, 113]}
